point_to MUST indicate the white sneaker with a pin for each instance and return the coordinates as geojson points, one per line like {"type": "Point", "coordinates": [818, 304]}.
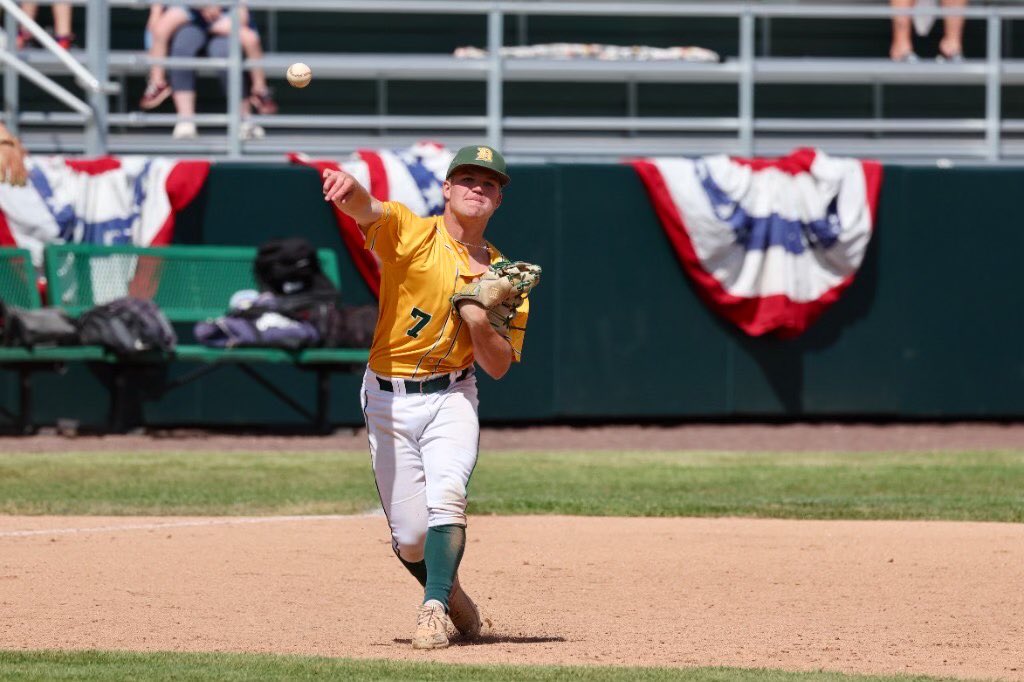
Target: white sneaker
{"type": "Point", "coordinates": [431, 626]}
{"type": "Point", "coordinates": [251, 131]}
{"type": "Point", "coordinates": [185, 130]}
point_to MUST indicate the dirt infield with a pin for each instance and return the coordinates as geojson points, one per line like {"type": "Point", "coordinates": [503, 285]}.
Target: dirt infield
{"type": "Point", "coordinates": [877, 597]}
{"type": "Point", "coordinates": [934, 598]}
{"type": "Point", "coordinates": [735, 437]}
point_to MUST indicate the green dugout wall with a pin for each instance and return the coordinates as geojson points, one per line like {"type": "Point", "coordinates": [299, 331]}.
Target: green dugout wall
{"type": "Point", "coordinates": [931, 327]}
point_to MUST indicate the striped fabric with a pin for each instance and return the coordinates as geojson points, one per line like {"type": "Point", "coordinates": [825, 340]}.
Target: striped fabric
{"type": "Point", "coordinates": [108, 201]}
{"type": "Point", "coordinates": [770, 243]}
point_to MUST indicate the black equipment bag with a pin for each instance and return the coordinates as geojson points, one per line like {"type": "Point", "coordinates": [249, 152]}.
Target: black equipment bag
{"type": "Point", "coordinates": [127, 326]}
{"type": "Point", "coordinates": [290, 266]}
{"type": "Point", "coordinates": [352, 327]}
{"type": "Point", "coordinates": [36, 327]}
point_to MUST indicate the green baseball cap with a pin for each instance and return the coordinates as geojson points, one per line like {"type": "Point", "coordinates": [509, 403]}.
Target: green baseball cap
{"type": "Point", "coordinates": [483, 156]}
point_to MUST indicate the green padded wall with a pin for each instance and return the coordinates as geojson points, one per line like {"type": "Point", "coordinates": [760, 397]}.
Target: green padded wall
{"type": "Point", "coordinates": [892, 346]}
{"type": "Point", "coordinates": [929, 328]}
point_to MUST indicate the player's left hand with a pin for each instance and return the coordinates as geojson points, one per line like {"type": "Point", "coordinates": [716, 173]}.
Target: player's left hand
{"type": "Point", "coordinates": [497, 294]}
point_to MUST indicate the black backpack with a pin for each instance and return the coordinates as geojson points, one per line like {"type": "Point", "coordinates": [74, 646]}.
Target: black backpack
{"type": "Point", "coordinates": [290, 266]}
{"type": "Point", "coordinates": [36, 327]}
{"type": "Point", "coordinates": [290, 269]}
{"type": "Point", "coordinates": [127, 326]}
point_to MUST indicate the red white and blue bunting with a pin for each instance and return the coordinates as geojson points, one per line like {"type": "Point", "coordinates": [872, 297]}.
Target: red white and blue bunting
{"type": "Point", "coordinates": [770, 243]}
{"type": "Point", "coordinates": [109, 200]}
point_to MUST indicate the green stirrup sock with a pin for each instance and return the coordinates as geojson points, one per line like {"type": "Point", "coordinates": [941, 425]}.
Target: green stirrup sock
{"type": "Point", "coordinates": [417, 568]}
{"type": "Point", "coordinates": [442, 554]}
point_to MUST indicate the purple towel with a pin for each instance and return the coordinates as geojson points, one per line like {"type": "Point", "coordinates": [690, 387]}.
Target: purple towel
{"type": "Point", "coordinates": [271, 330]}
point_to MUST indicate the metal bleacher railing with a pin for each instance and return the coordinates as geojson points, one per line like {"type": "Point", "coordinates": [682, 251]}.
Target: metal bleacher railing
{"type": "Point", "coordinates": [990, 138]}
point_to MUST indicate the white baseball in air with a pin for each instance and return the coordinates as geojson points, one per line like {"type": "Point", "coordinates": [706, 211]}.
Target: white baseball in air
{"type": "Point", "coordinates": [299, 75]}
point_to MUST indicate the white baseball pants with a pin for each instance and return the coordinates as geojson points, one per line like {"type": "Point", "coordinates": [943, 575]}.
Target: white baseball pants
{"type": "Point", "coordinates": [423, 448]}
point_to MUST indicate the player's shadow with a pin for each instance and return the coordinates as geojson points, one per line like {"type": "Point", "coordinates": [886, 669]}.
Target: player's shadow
{"type": "Point", "coordinates": [495, 639]}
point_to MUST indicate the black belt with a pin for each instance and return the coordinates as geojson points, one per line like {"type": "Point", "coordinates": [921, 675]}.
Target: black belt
{"type": "Point", "coordinates": [429, 386]}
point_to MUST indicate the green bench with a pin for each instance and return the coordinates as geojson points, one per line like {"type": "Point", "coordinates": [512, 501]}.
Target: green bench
{"type": "Point", "coordinates": [18, 288]}
{"type": "Point", "coordinates": [18, 278]}
{"type": "Point", "coordinates": [189, 284]}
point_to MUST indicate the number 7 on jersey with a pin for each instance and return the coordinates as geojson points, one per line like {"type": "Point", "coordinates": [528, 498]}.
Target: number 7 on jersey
{"type": "Point", "coordinates": [422, 320]}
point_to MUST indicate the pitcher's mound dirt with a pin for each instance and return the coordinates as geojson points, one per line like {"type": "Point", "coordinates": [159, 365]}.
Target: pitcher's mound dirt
{"type": "Point", "coordinates": [876, 597]}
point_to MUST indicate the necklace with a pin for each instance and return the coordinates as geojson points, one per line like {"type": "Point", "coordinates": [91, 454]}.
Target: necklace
{"type": "Point", "coordinates": [473, 246]}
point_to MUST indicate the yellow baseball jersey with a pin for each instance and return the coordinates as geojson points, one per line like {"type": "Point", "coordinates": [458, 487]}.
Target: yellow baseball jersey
{"type": "Point", "coordinates": [418, 333]}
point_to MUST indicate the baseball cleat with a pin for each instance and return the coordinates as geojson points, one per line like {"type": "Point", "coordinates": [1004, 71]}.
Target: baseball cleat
{"type": "Point", "coordinates": [431, 632]}
{"type": "Point", "coordinates": [464, 613]}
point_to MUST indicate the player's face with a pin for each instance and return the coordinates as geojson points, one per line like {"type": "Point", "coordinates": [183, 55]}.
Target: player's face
{"type": "Point", "coordinates": [473, 192]}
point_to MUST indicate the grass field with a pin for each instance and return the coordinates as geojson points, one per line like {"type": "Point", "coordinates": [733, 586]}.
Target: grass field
{"type": "Point", "coordinates": [89, 666]}
{"type": "Point", "coordinates": [977, 486]}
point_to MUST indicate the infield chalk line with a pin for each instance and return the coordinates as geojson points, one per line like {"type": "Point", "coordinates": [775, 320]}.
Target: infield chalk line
{"type": "Point", "coordinates": [199, 523]}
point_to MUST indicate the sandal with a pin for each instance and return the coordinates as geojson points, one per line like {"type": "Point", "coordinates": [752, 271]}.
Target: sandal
{"type": "Point", "coordinates": [25, 40]}
{"type": "Point", "coordinates": [262, 103]}
{"type": "Point", "coordinates": [154, 95]}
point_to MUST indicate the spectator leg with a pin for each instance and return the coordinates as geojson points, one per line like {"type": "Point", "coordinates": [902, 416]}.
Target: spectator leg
{"type": "Point", "coordinates": [61, 20]}
{"type": "Point", "coordinates": [188, 41]}
{"type": "Point", "coordinates": [218, 47]}
{"type": "Point", "coordinates": [254, 50]}
{"type": "Point", "coordinates": [185, 103]}
{"type": "Point", "coordinates": [952, 43]}
{"type": "Point", "coordinates": [902, 43]}
{"type": "Point", "coordinates": [162, 32]}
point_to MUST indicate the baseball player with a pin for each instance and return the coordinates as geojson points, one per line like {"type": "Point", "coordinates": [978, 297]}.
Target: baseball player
{"type": "Point", "coordinates": [447, 298]}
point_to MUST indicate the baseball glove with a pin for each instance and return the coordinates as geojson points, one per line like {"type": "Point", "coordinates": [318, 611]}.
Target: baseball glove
{"type": "Point", "coordinates": [500, 290]}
